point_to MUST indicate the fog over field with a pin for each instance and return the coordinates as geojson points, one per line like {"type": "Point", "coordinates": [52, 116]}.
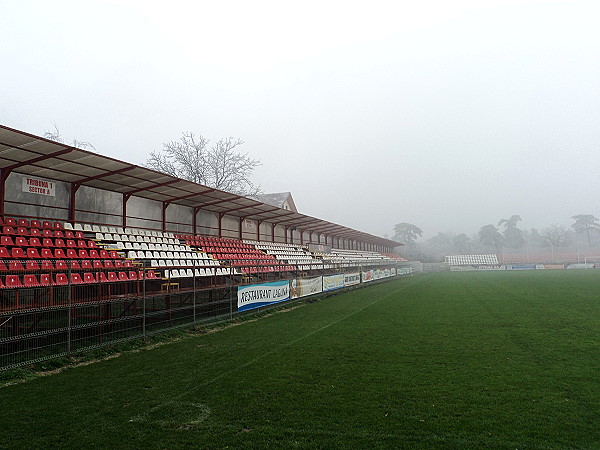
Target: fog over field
{"type": "Point", "coordinates": [447, 115]}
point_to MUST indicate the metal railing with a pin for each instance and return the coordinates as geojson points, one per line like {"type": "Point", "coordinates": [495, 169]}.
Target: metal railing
{"type": "Point", "coordinates": [53, 308]}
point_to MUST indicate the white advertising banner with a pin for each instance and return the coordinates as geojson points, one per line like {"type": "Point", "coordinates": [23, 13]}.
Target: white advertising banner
{"type": "Point", "coordinates": [351, 279]}
{"type": "Point", "coordinates": [331, 282]}
{"type": "Point", "coordinates": [367, 276]}
{"type": "Point", "coordinates": [306, 286]}
{"type": "Point", "coordinates": [393, 271]}
{"type": "Point", "coordinates": [39, 186]}
{"type": "Point", "coordinates": [258, 295]}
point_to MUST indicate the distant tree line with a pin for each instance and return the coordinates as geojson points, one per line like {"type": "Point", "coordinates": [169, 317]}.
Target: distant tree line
{"type": "Point", "coordinates": [505, 235]}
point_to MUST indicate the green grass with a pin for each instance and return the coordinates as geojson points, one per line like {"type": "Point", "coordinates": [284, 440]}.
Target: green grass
{"type": "Point", "coordinates": [457, 360]}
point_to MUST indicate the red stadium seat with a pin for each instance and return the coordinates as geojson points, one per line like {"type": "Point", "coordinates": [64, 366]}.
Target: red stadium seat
{"type": "Point", "coordinates": [59, 233]}
{"type": "Point", "coordinates": [17, 252]}
{"type": "Point", "coordinates": [22, 231]}
{"type": "Point", "coordinates": [33, 253]}
{"type": "Point", "coordinates": [74, 264]}
{"type": "Point", "coordinates": [69, 234]}
{"type": "Point", "coordinates": [8, 230]}
{"type": "Point", "coordinates": [45, 279]}
{"type": "Point", "coordinates": [47, 233]}
{"type": "Point", "coordinates": [59, 253]}
{"type": "Point", "coordinates": [104, 254]}
{"type": "Point", "coordinates": [89, 278]}
{"type": "Point", "coordinates": [112, 277]}
{"type": "Point", "coordinates": [71, 253]}
{"type": "Point", "coordinates": [23, 223]}
{"type": "Point", "coordinates": [98, 264]}
{"type": "Point", "coordinates": [3, 267]}
{"type": "Point", "coordinates": [94, 254]}
{"type": "Point", "coordinates": [20, 241]}
{"type": "Point", "coordinates": [47, 242]}
{"type": "Point", "coordinates": [81, 244]}
{"type": "Point", "coordinates": [92, 244]}
{"type": "Point", "coordinates": [114, 254]}
{"type": "Point", "coordinates": [30, 281]}
{"type": "Point", "coordinates": [76, 279]}
{"type": "Point", "coordinates": [47, 265]}
{"type": "Point", "coordinates": [32, 265]}
{"type": "Point", "coordinates": [123, 276]}
{"type": "Point", "coordinates": [35, 242]}
{"type": "Point", "coordinates": [36, 224]}
{"type": "Point", "coordinates": [86, 264]}
{"type": "Point", "coordinates": [35, 232]}
{"type": "Point", "coordinates": [108, 264]}
{"type": "Point", "coordinates": [61, 279]}
{"type": "Point", "coordinates": [71, 243]}
{"type": "Point", "coordinates": [46, 224]}
{"type": "Point", "coordinates": [58, 226]}
{"type": "Point", "coordinates": [127, 263]}
{"type": "Point", "coordinates": [12, 281]}
{"type": "Point", "coordinates": [102, 277]}
{"type": "Point", "coordinates": [151, 275]}
{"type": "Point", "coordinates": [83, 254]}
{"type": "Point", "coordinates": [6, 241]}
{"type": "Point", "coordinates": [61, 265]}
{"type": "Point", "coordinates": [79, 235]}
{"type": "Point", "coordinates": [15, 265]}
{"type": "Point", "coordinates": [133, 275]}
{"type": "Point", "coordinates": [140, 274]}
{"type": "Point", "coordinates": [46, 253]}
{"type": "Point", "coordinates": [118, 264]}
{"type": "Point", "coordinates": [59, 243]}
{"type": "Point", "coordinates": [10, 222]}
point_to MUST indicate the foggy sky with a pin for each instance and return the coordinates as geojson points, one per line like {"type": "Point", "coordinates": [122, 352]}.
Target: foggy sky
{"type": "Point", "coordinates": [448, 115]}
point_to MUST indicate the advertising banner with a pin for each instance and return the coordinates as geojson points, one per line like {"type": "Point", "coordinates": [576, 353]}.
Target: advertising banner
{"type": "Point", "coordinates": [520, 267]}
{"type": "Point", "coordinates": [393, 271]}
{"type": "Point", "coordinates": [331, 282]}
{"type": "Point", "coordinates": [553, 266]}
{"type": "Point", "coordinates": [306, 286]}
{"type": "Point", "coordinates": [387, 273]}
{"type": "Point", "coordinates": [367, 276]}
{"type": "Point", "coordinates": [258, 295]}
{"type": "Point", "coordinates": [39, 186]}
{"type": "Point", "coordinates": [496, 267]}
{"type": "Point", "coordinates": [351, 279]}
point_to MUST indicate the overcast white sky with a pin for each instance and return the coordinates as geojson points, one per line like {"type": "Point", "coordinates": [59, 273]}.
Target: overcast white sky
{"type": "Point", "coordinates": [448, 115]}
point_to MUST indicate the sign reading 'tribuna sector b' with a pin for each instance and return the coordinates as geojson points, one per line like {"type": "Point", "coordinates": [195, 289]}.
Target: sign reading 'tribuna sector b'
{"type": "Point", "coordinates": [258, 295]}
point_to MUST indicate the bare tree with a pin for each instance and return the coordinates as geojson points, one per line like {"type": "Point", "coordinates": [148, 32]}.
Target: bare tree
{"type": "Point", "coordinates": [555, 236]}
{"type": "Point", "coordinates": [220, 166]}
{"type": "Point", "coordinates": [56, 137]}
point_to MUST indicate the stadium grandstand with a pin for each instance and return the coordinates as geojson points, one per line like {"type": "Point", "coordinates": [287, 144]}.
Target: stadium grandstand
{"type": "Point", "coordinates": [94, 250]}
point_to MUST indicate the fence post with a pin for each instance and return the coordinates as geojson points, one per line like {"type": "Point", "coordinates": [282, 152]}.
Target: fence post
{"type": "Point", "coordinates": [144, 301]}
{"type": "Point", "coordinates": [70, 307]}
{"type": "Point", "coordinates": [194, 287]}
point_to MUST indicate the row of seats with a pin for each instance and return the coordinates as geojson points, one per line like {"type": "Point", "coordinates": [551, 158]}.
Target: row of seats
{"type": "Point", "coordinates": [182, 263]}
{"type": "Point", "coordinates": [62, 279]}
{"type": "Point", "coordinates": [132, 238]}
{"type": "Point", "coordinates": [159, 247]}
{"type": "Point", "coordinates": [9, 221]}
{"type": "Point", "coordinates": [189, 273]}
{"type": "Point", "coordinates": [57, 253]}
{"type": "Point", "coordinates": [21, 231]}
{"type": "Point", "coordinates": [118, 230]}
{"type": "Point", "coordinates": [140, 254]}
{"type": "Point", "coordinates": [47, 264]}
{"type": "Point", "coordinates": [20, 241]}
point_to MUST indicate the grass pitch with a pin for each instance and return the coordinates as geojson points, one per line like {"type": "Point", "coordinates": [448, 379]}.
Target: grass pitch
{"type": "Point", "coordinates": [455, 360]}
